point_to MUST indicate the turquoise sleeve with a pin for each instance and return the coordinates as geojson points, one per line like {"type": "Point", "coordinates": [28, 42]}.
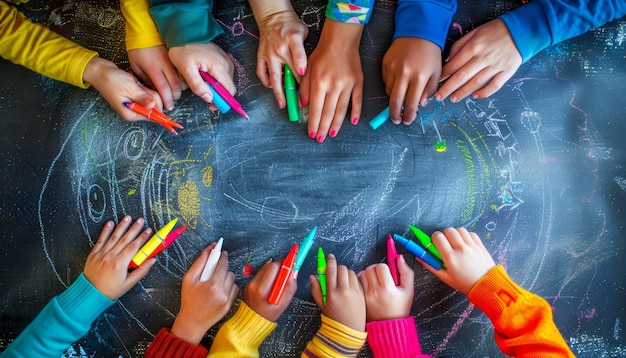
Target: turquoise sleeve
{"type": "Point", "coordinates": [185, 22]}
{"type": "Point", "coordinates": [351, 11]}
{"type": "Point", "coordinates": [63, 321]}
{"type": "Point", "coordinates": [542, 23]}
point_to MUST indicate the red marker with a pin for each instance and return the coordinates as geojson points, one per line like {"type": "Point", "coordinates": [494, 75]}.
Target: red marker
{"type": "Point", "coordinates": [392, 259]}
{"type": "Point", "coordinates": [283, 276]}
{"type": "Point", "coordinates": [154, 115]}
{"type": "Point", "coordinates": [169, 239]}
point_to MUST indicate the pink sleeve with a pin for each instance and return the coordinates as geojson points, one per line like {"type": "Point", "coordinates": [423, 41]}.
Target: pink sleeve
{"type": "Point", "coordinates": [394, 338]}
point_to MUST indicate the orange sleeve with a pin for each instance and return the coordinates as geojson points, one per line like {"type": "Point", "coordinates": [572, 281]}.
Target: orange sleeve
{"type": "Point", "coordinates": [523, 324]}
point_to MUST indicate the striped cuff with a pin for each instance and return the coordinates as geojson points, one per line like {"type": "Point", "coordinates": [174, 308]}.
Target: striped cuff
{"type": "Point", "coordinates": [165, 344]}
{"type": "Point", "coordinates": [333, 339]}
{"type": "Point", "coordinates": [354, 12]}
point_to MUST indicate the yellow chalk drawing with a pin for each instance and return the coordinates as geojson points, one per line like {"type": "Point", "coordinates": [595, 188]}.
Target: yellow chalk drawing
{"type": "Point", "coordinates": [132, 191]}
{"type": "Point", "coordinates": [207, 176]}
{"type": "Point", "coordinates": [470, 182]}
{"type": "Point", "coordinates": [189, 203]}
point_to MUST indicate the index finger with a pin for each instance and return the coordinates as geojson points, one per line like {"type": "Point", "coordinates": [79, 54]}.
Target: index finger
{"type": "Point", "coordinates": [331, 272]}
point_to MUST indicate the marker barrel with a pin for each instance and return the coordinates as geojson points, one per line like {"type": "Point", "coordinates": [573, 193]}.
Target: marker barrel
{"type": "Point", "coordinates": [419, 251]}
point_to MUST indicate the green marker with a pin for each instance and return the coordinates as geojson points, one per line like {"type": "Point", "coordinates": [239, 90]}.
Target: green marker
{"type": "Point", "coordinates": [426, 242]}
{"type": "Point", "coordinates": [292, 95]}
{"type": "Point", "coordinates": [321, 272]}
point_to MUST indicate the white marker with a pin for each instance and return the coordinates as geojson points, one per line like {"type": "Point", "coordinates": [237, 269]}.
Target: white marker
{"type": "Point", "coordinates": [211, 262]}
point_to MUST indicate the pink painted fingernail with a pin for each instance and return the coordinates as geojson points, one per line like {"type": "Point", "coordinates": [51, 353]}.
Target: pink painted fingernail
{"type": "Point", "coordinates": [281, 105]}
{"type": "Point", "coordinates": [320, 139]}
{"type": "Point", "coordinates": [303, 101]}
{"type": "Point", "coordinates": [355, 120]}
{"type": "Point", "coordinates": [332, 133]}
{"type": "Point", "coordinates": [312, 135]}
{"type": "Point", "coordinates": [302, 71]}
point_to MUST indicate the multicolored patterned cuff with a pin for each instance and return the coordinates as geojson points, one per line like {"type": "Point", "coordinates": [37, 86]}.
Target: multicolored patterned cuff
{"type": "Point", "coordinates": [354, 12]}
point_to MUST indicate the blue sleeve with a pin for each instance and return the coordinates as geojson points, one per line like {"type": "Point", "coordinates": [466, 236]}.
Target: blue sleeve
{"type": "Point", "coordinates": [63, 321]}
{"type": "Point", "coordinates": [426, 19]}
{"type": "Point", "coordinates": [542, 23]}
{"type": "Point", "coordinates": [185, 22]}
{"type": "Point", "coordinates": [351, 11]}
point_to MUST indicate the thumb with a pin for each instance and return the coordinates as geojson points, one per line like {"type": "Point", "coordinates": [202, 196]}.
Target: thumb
{"type": "Point", "coordinates": [316, 292]}
{"type": "Point", "coordinates": [406, 273]}
{"type": "Point", "coordinates": [137, 274]}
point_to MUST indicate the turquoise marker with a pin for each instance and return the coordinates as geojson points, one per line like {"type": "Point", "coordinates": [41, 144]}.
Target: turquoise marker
{"type": "Point", "coordinates": [305, 246]}
{"type": "Point", "coordinates": [418, 251]}
{"type": "Point", "coordinates": [381, 118]}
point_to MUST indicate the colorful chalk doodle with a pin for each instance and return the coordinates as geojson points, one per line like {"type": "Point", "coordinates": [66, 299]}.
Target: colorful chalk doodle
{"type": "Point", "coordinates": [526, 169]}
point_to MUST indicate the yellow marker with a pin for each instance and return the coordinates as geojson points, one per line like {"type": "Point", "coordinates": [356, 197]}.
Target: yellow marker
{"type": "Point", "coordinates": [153, 243]}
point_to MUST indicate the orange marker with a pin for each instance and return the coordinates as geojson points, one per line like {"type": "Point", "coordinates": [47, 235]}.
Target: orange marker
{"type": "Point", "coordinates": [283, 276]}
{"type": "Point", "coordinates": [154, 115]}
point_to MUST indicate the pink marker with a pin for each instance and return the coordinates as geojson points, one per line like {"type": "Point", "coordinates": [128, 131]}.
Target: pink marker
{"type": "Point", "coordinates": [392, 259]}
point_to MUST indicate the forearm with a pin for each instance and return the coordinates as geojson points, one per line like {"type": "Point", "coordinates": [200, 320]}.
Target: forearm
{"type": "Point", "coordinates": [41, 50]}
{"type": "Point", "coordinates": [141, 31]}
{"type": "Point", "coordinates": [64, 320]}
{"type": "Point", "coordinates": [263, 8]}
{"type": "Point", "coordinates": [429, 20]}
{"type": "Point", "coordinates": [522, 320]}
{"type": "Point", "coordinates": [541, 23]}
{"type": "Point", "coordinates": [340, 37]}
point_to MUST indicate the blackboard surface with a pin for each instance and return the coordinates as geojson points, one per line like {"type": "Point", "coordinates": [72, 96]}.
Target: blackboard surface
{"type": "Point", "coordinates": [536, 170]}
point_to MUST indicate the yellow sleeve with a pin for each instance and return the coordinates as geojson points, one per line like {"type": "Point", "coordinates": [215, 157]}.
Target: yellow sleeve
{"type": "Point", "coordinates": [40, 49]}
{"type": "Point", "coordinates": [242, 334]}
{"type": "Point", "coordinates": [335, 340]}
{"type": "Point", "coordinates": [141, 31]}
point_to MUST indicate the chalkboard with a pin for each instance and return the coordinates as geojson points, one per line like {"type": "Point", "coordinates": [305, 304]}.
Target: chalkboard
{"type": "Point", "coordinates": [536, 170]}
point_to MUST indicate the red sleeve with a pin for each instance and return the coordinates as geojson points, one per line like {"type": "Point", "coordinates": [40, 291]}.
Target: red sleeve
{"type": "Point", "coordinates": [165, 345]}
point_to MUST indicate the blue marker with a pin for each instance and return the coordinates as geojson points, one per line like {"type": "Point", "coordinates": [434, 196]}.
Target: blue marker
{"type": "Point", "coordinates": [381, 118]}
{"type": "Point", "coordinates": [418, 251]}
{"type": "Point", "coordinates": [219, 102]}
{"type": "Point", "coordinates": [305, 246]}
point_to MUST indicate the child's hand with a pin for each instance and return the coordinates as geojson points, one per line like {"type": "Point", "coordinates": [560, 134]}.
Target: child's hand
{"type": "Point", "coordinates": [281, 42]}
{"type": "Point", "coordinates": [334, 79]}
{"type": "Point", "coordinates": [411, 70]}
{"type": "Point", "coordinates": [480, 63]}
{"type": "Point", "coordinates": [107, 264]}
{"type": "Point", "coordinates": [206, 57]}
{"type": "Point", "coordinates": [256, 293]}
{"type": "Point", "coordinates": [467, 260]}
{"type": "Point", "coordinates": [152, 65]}
{"type": "Point", "coordinates": [385, 300]}
{"type": "Point", "coordinates": [203, 304]}
{"type": "Point", "coordinates": [345, 302]}
{"type": "Point", "coordinates": [118, 86]}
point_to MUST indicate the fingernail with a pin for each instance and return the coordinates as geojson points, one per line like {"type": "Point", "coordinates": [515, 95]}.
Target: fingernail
{"type": "Point", "coordinates": [332, 133]}
{"type": "Point", "coordinates": [303, 102]}
{"type": "Point", "coordinates": [270, 260]}
{"type": "Point", "coordinates": [355, 120]}
{"type": "Point", "coordinates": [320, 139]}
{"type": "Point", "coordinates": [312, 135]}
{"type": "Point", "coordinates": [281, 105]}
{"type": "Point", "coordinates": [302, 71]}
{"type": "Point", "coordinates": [294, 274]}
{"type": "Point", "coordinates": [438, 98]}
{"type": "Point", "coordinates": [453, 99]}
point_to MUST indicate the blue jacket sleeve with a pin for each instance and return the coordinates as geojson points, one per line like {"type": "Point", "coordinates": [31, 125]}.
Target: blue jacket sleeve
{"type": "Point", "coordinates": [63, 321]}
{"type": "Point", "coordinates": [185, 22]}
{"type": "Point", "coordinates": [426, 19]}
{"type": "Point", "coordinates": [542, 23]}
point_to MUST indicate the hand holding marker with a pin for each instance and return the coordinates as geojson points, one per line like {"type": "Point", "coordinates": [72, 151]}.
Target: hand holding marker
{"type": "Point", "coordinates": [419, 251]}
{"type": "Point", "coordinates": [212, 260]}
{"type": "Point", "coordinates": [222, 99]}
{"type": "Point", "coordinates": [159, 241]}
